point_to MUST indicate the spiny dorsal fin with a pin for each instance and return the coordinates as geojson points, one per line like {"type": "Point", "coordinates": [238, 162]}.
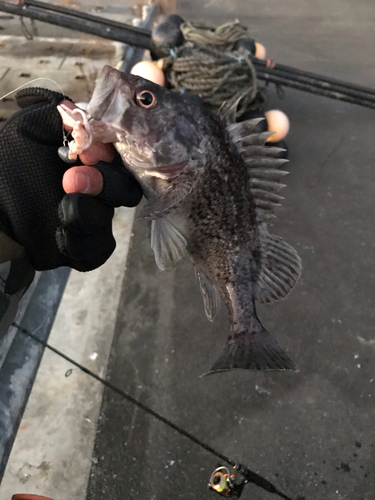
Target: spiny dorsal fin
{"type": "Point", "coordinates": [238, 130]}
{"type": "Point", "coordinates": [257, 151]}
{"type": "Point", "coordinates": [264, 161]}
{"type": "Point", "coordinates": [211, 297]}
{"type": "Point", "coordinates": [263, 166]}
{"type": "Point", "coordinates": [270, 174]}
{"type": "Point", "coordinates": [242, 134]}
{"type": "Point", "coordinates": [281, 267]}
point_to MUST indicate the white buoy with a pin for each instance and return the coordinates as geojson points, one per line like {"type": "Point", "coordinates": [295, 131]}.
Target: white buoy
{"type": "Point", "coordinates": [260, 51]}
{"type": "Point", "coordinates": [149, 70]}
{"type": "Point", "coordinates": [277, 122]}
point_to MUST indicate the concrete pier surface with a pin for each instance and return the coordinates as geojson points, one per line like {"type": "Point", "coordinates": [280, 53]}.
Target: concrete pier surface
{"type": "Point", "coordinates": [311, 433]}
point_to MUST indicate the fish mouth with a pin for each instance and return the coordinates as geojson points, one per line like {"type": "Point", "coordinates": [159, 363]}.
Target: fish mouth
{"type": "Point", "coordinates": [103, 92]}
{"type": "Point", "coordinates": [106, 96]}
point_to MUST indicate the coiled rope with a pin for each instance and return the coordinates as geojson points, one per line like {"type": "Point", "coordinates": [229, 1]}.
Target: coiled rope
{"type": "Point", "coordinates": [209, 65]}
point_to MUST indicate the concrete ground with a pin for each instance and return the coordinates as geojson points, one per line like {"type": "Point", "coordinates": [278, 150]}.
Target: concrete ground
{"type": "Point", "coordinates": [311, 433]}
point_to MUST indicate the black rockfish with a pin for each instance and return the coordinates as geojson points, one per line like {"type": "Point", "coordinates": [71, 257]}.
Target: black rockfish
{"type": "Point", "coordinates": [210, 190]}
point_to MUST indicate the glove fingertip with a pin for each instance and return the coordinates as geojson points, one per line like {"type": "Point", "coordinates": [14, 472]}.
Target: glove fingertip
{"type": "Point", "coordinates": [34, 95]}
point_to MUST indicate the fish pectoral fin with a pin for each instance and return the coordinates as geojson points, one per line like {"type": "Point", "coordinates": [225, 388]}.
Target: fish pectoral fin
{"type": "Point", "coordinates": [254, 349]}
{"type": "Point", "coordinates": [175, 192]}
{"type": "Point", "coordinates": [211, 297]}
{"type": "Point", "coordinates": [168, 244]}
{"type": "Point", "coordinates": [281, 267]}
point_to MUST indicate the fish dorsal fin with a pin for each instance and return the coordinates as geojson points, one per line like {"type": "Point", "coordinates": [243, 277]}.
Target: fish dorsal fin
{"type": "Point", "coordinates": [179, 186]}
{"type": "Point", "coordinates": [263, 165]}
{"type": "Point", "coordinates": [211, 297]}
{"type": "Point", "coordinates": [281, 267]}
{"type": "Point", "coordinates": [243, 132]}
{"type": "Point", "coordinates": [167, 242]}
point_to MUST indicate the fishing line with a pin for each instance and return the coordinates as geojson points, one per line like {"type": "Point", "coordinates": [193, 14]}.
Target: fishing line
{"type": "Point", "coordinates": [32, 81]}
{"type": "Point", "coordinates": [248, 474]}
{"type": "Point", "coordinates": [64, 136]}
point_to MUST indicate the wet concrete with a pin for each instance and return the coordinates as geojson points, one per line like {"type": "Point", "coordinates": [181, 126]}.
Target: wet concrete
{"type": "Point", "coordinates": [310, 432]}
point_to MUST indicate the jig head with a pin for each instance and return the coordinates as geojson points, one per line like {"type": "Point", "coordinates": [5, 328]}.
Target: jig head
{"type": "Point", "coordinates": [224, 483]}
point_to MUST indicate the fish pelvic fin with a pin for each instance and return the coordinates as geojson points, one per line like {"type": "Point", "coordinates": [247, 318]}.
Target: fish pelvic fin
{"type": "Point", "coordinates": [253, 349]}
{"type": "Point", "coordinates": [211, 297]}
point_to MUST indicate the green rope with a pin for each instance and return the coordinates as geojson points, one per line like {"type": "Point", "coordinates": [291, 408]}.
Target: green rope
{"type": "Point", "coordinates": [208, 66]}
{"type": "Point", "coordinates": [225, 35]}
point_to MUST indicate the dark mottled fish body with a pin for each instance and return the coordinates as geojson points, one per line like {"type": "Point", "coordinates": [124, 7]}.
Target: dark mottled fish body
{"type": "Point", "coordinates": [210, 198]}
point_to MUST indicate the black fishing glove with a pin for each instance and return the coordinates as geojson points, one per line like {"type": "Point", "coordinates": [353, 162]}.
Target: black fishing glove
{"type": "Point", "coordinates": [55, 229]}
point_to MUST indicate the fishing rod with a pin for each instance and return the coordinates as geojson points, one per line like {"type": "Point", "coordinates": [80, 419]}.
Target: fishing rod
{"type": "Point", "coordinates": [280, 74]}
{"type": "Point", "coordinates": [339, 94]}
{"type": "Point", "coordinates": [80, 21]}
{"type": "Point", "coordinates": [268, 71]}
{"type": "Point", "coordinates": [268, 65]}
{"type": "Point", "coordinates": [221, 481]}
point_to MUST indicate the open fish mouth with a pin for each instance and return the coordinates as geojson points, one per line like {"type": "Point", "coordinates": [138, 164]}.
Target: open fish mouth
{"type": "Point", "coordinates": [106, 95]}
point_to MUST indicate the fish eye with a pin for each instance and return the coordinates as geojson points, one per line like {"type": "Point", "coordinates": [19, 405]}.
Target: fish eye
{"type": "Point", "coordinates": [146, 99]}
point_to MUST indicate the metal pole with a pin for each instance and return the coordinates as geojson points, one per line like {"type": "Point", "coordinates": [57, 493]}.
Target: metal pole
{"type": "Point", "coordinates": [94, 26]}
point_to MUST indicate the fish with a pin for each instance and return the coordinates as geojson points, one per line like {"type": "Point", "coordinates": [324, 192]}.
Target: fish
{"type": "Point", "coordinates": [211, 187]}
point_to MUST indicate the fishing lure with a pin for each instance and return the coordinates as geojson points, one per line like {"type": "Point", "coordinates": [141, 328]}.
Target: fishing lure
{"type": "Point", "coordinates": [224, 483]}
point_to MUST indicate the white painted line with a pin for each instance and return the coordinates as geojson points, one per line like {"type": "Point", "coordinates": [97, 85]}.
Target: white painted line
{"type": "Point", "coordinates": [52, 454]}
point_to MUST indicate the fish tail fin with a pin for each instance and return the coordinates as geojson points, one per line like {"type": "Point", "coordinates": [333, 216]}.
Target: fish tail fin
{"type": "Point", "coordinates": [252, 349]}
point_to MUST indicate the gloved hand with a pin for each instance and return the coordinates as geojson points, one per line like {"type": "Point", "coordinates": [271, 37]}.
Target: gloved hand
{"type": "Point", "coordinates": [55, 229]}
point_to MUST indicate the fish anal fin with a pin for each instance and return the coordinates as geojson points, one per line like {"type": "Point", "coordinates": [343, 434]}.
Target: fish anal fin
{"type": "Point", "coordinates": [168, 244]}
{"type": "Point", "coordinates": [281, 268]}
{"type": "Point", "coordinates": [211, 297]}
{"type": "Point", "coordinates": [254, 349]}
{"type": "Point", "coordinates": [181, 183]}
